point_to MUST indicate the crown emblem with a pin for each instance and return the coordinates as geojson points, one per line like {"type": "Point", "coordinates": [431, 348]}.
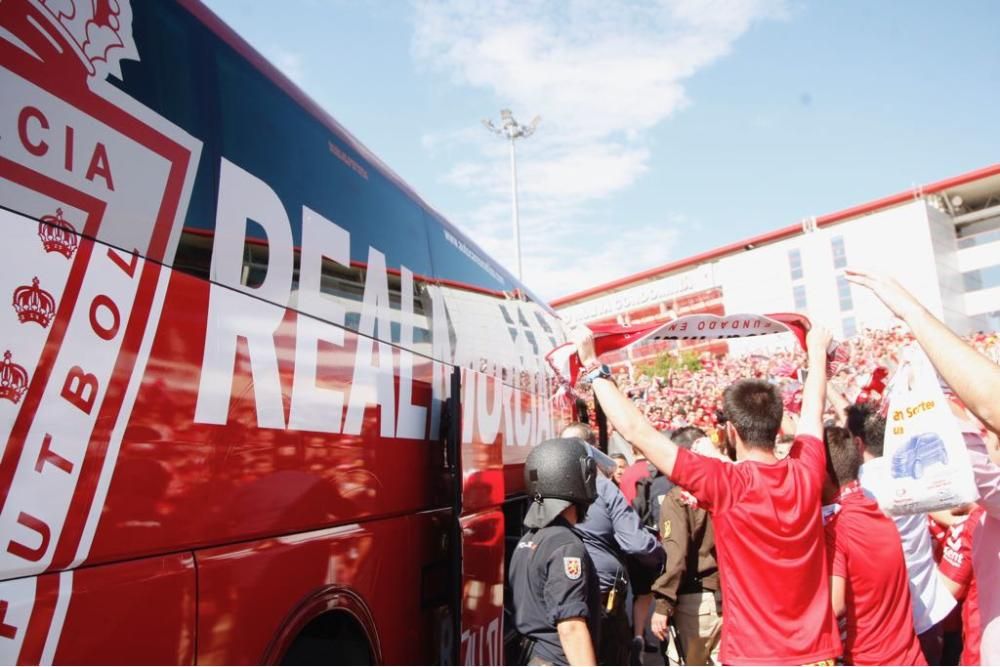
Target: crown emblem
{"type": "Point", "coordinates": [93, 34]}
{"type": "Point", "coordinates": [33, 304]}
{"type": "Point", "coordinates": [57, 235]}
{"type": "Point", "coordinates": [13, 379]}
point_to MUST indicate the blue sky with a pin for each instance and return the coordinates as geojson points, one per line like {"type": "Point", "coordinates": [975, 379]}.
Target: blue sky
{"type": "Point", "coordinates": [668, 128]}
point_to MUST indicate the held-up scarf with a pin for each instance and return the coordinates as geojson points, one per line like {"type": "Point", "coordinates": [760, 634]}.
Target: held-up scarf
{"type": "Point", "coordinates": [610, 337]}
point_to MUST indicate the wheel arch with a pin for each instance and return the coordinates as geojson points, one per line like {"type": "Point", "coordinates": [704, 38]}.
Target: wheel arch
{"type": "Point", "coordinates": [326, 602]}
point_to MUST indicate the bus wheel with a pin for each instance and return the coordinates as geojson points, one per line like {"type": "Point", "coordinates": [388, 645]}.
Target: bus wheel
{"type": "Point", "coordinates": [333, 638]}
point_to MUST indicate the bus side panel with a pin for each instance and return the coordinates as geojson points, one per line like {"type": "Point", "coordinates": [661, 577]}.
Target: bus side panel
{"type": "Point", "coordinates": [482, 588]}
{"type": "Point", "coordinates": [139, 612]}
{"type": "Point", "coordinates": [500, 424]}
{"type": "Point", "coordinates": [249, 592]}
{"type": "Point", "coordinates": [184, 483]}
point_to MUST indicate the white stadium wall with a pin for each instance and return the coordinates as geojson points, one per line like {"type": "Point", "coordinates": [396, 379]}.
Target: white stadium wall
{"type": "Point", "coordinates": [942, 242]}
{"type": "Point", "coordinates": [895, 241]}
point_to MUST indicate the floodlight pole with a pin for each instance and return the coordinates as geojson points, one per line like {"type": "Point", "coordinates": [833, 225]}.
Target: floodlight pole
{"type": "Point", "coordinates": [511, 130]}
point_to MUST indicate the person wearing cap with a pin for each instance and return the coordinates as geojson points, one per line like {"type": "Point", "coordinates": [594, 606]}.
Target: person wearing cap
{"type": "Point", "coordinates": [555, 593]}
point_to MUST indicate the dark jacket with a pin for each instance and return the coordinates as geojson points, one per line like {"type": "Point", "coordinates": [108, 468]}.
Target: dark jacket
{"type": "Point", "coordinates": [612, 529]}
{"type": "Point", "coordinates": [689, 540]}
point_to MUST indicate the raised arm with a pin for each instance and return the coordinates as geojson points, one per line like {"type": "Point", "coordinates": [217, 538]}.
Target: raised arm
{"type": "Point", "coordinates": [814, 391]}
{"type": "Point", "coordinates": [972, 377]}
{"type": "Point", "coordinates": [623, 414]}
{"type": "Point", "coordinates": [839, 402]}
{"type": "Point", "coordinates": [633, 539]}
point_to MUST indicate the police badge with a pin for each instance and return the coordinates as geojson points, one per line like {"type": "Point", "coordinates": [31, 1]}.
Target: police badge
{"type": "Point", "coordinates": [573, 568]}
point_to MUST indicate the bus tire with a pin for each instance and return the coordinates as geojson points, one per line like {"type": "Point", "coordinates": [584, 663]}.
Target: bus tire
{"type": "Point", "coordinates": [332, 638]}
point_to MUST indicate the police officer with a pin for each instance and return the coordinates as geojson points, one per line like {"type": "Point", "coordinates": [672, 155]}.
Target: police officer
{"type": "Point", "coordinates": [611, 533]}
{"type": "Point", "coordinates": [554, 587]}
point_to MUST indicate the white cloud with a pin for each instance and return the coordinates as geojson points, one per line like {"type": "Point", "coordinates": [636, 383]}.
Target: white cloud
{"type": "Point", "coordinates": [601, 75]}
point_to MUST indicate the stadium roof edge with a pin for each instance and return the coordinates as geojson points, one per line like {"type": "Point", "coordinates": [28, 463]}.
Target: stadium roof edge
{"type": "Point", "coordinates": [779, 234]}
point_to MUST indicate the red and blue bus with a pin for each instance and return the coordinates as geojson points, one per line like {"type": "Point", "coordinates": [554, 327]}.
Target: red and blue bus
{"type": "Point", "coordinates": [259, 403]}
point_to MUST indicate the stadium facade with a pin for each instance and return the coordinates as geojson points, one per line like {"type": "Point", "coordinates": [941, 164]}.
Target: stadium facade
{"type": "Point", "coordinates": [941, 240]}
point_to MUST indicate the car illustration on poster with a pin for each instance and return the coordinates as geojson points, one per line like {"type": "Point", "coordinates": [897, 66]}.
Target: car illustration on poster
{"type": "Point", "coordinates": [912, 459]}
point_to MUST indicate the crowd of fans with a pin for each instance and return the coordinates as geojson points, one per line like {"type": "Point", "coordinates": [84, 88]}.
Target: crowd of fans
{"type": "Point", "coordinates": [694, 397]}
{"type": "Point", "coordinates": [687, 402]}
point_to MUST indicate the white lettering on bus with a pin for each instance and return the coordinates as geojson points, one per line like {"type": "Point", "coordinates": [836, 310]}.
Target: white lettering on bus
{"type": "Point", "coordinates": [33, 128]}
{"type": "Point", "coordinates": [316, 408]}
{"type": "Point", "coordinates": [231, 315]}
{"type": "Point", "coordinates": [492, 406]}
{"type": "Point", "coordinates": [412, 418]}
{"type": "Point", "coordinates": [373, 383]}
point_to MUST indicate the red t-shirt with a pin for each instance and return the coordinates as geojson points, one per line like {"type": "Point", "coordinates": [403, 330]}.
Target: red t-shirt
{"type": "Point", "coordinates": [865, 550]}
{"type": "Point", "coordinates": [631, 476]}
{"type": "Point", "coordinates": [771, 553]}
{"type": "Point", "coordinates": [956, 564]}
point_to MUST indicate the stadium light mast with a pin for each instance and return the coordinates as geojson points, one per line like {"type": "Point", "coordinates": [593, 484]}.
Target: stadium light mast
{"type": "Point", "coordinates": [511, 130]}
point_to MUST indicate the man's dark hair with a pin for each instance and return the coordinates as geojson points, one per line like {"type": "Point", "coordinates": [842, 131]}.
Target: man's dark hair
{"type": "Point", "coordinates": [754, 409]}
{"type": "Point", "coordinates": [620, 457]}
{"type": "Point", "coordinates": [686, 436]}
{"type": "Point", "coordinates": [856, 416]}
{"type": "Point", "coordinates": [843, 458]}
{"type": "Point", "coordinates": [874, 434]}
{"type": "Point", "coordinates": [579, 430]}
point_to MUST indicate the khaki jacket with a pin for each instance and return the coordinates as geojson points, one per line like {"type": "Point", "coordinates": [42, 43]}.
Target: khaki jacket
{"type": "Point", "coordinates": [689, 540]}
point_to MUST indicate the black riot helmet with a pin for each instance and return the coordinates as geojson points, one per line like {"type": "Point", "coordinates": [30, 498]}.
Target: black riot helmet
{"type": "Point", "coordinates": [558, 473]}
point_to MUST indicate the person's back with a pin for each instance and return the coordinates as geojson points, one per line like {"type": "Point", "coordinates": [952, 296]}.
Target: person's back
{"type": "Point", "coordinates": [766, 513]}
{"type": "Point", "coordinates": [870, 584]}
{"type": "Point", "coordinates": [867, 552]}
{"type": "Point", "coordinates": [931, 600]}
{"type": "Point", "coordinates": [770, 546]}
{"type": "Point", "coordinates": [611, 529]}
{"type": "Point", "coordinates": [649, 494]}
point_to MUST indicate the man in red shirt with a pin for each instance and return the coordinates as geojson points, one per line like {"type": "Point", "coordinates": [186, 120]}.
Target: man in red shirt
{"type": "Point", "coordinates": [956, 568]}
{"type": "Point", "coordinates": [766, 512]}
{"type": "Point", "coordinates": [869, 584]}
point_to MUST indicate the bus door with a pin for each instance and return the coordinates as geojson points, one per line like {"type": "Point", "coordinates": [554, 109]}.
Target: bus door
{"type": "Point", "coordinates": [475, 444]}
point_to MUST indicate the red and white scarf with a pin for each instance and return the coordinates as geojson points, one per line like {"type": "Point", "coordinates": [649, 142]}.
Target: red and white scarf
{"type": "Point", "coordinates": [610, 337]}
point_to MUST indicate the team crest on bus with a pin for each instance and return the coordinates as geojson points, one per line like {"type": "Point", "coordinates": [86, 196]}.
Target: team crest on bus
{"type": "Point", "coordinates": [33, 304]}
{"type": "Point", "coordinates": [82, 161]}
{"type": "Point", "coordinates": [58, 235]}
{"type": "Point", "coordinates": [13, 380]}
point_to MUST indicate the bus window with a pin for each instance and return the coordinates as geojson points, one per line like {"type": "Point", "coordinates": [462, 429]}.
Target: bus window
{"type": "Point", "coordinates": [306, 165]}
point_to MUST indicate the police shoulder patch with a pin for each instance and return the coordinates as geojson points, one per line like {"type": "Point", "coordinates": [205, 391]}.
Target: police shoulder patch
{"type": "Point", "coordinates": [572, 567]}
{"type": "Point", "coordinates": [666, 529]}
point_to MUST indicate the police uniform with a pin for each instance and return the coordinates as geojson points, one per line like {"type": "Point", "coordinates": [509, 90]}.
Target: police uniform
{"type": "Point", "coordinates": [614, 535]}
{"type": "Point", "coordinates": [552, 579]}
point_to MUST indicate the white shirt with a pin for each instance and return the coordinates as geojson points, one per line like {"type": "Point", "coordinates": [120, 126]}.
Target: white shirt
{"type": "Point", "coordinates": [931, 599]}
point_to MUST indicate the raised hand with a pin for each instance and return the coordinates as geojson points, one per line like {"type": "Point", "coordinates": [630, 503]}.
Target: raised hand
{"type": "Point", "coordinates": [583, 338]}
{"type": "Point", "coordinates": [891, 293]}
{"type": "Point", "coordinates": [818, 340]}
